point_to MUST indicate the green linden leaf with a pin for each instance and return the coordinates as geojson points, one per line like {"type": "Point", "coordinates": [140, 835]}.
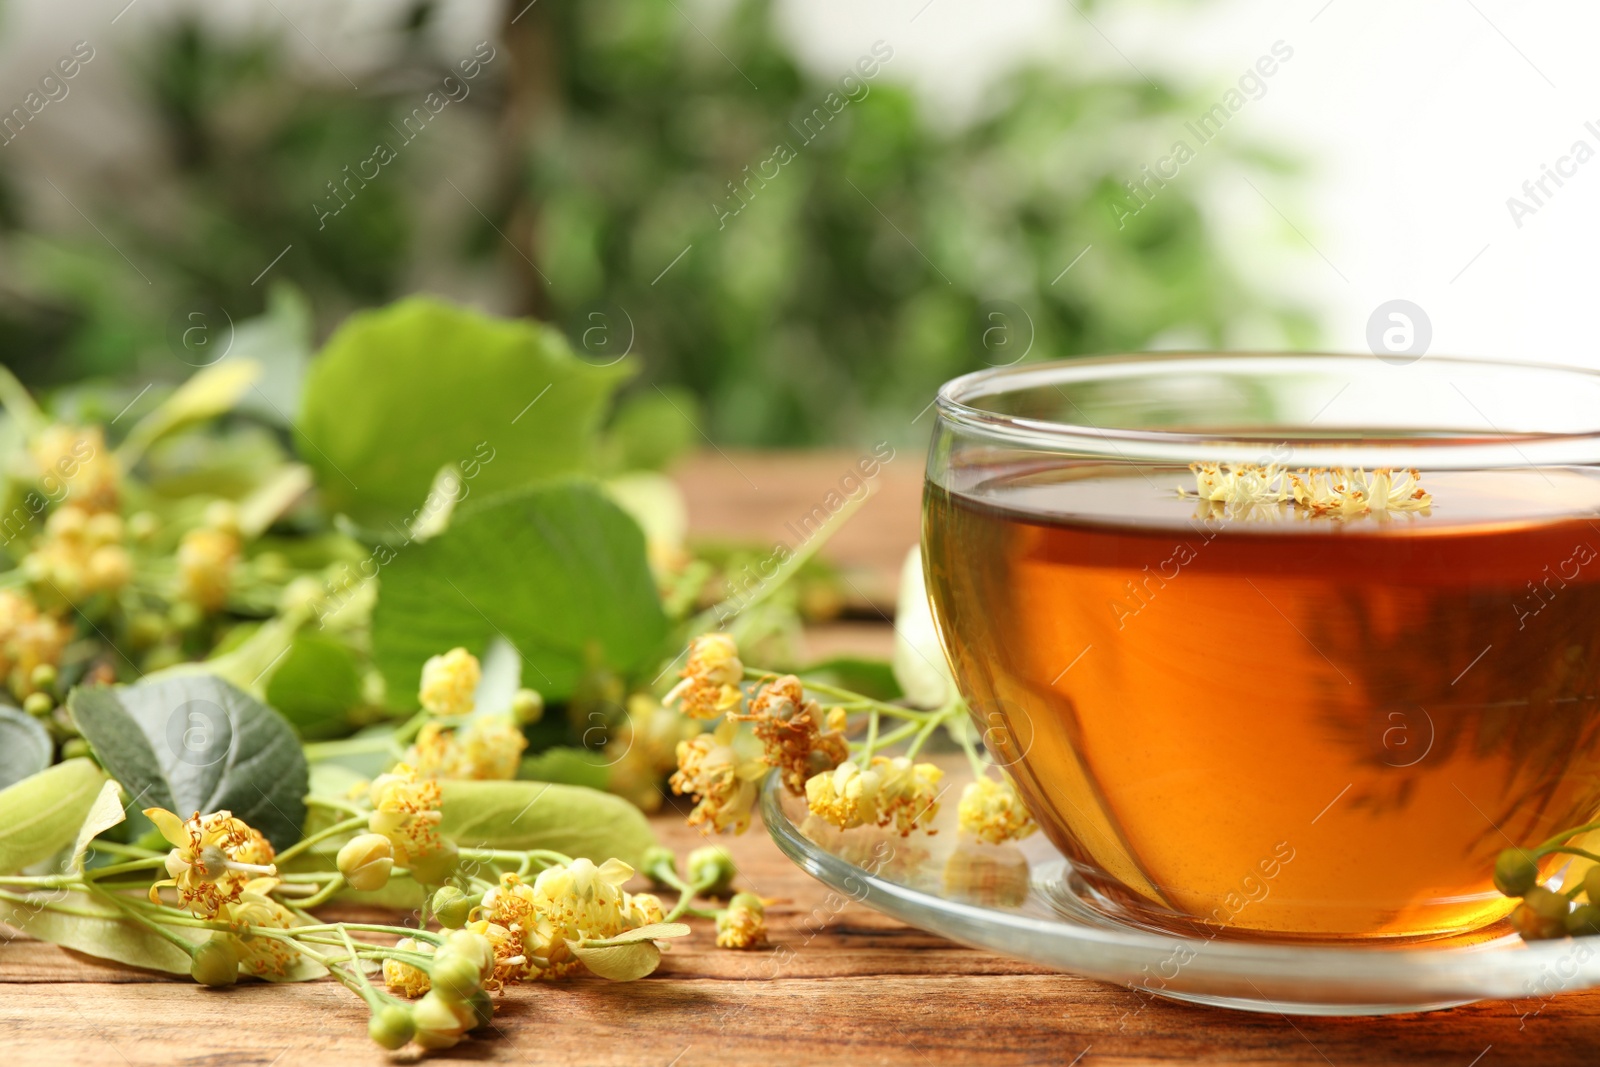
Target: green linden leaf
{"type": "Point", "coordinates": [400, 392]}
{"type": "Point", "coordinates": [41, 814]}
{"type": "Point", "coordinates": [559, 571]}
{"type": "Point", "coordinates": [24, 746]}
{"type": "Point", "coordinates": [84, 923]}
{"type": "Point", "coordinates": [195, 743]}
{"type": "Point", "coordinates": [563, 818]}
{"type": "Point", "coordinates": [618, 962]}
{"type": "Point", "coordinates": [316, 685]}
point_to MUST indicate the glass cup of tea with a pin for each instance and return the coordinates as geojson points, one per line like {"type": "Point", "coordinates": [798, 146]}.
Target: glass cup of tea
{"type": "Point", "coordinates": [1284, 646]}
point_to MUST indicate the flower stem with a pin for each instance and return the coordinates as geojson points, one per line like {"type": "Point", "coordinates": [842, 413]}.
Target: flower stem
{"type": "Point", "coordinates": [344, 826]}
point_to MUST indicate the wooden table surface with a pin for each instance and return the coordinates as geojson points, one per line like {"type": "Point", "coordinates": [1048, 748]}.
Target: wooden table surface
{"type": "Point", "coordinates": [847, 986]}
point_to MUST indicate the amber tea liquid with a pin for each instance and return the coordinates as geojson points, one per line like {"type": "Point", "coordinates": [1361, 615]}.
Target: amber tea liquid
{"type": "Point", "coordinates": [1309, 728]}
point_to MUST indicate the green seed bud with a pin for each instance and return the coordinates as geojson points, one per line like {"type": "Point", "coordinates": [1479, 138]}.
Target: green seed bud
{"type": "Point", "coordinates": [527, 706]}
{"type": "Point", "coordinates": [711, 868]}
{"type": "Point", "coordinates": [454, 976]}
{"type": "Point", "coordinates": [1515, 872]}
{"type": "Point", "coordinates": [436, 867]}
{"type": "Point", "coordinates": [75, 748]}
{"type": "Point", "coordinates": [44, 676]}
{"type": "Point", "coordinates": [657, 861]}
{"type": "Point", "coordinates": [39, 704]}
{"type": "Point", "coordinates": [145, 629]}
{"type": "Point", "coordinates": [216, 961]}
{"type": "Point", "coordinates": [391, 1026]}
{"type": "Point", "coordinates": [366, 860]}
{"type": "Point", "coordinates": [482, 1008]}
{"type": "Point", "coordinates": [1584, 921]}
{"type": "Point", "coordinates": [1546, 903]}
{"type": "Point", "coordinates": [453, 908]}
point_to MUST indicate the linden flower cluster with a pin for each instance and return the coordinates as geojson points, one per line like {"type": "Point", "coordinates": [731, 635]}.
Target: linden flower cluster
{"type": "Point", "coordinates": [720, 778]}
{"type": "Point", "coordinates": [711, 678]}
{"type": "Point", "coordinates": [81, 553]}
{"type": "Point", "coordinates": [79, 457]}
{"type": "Point", "coordinates": [29, 640]}
{"type": "Point", "coordinates": [789, 727]}
{"type": "Point", "coordinates": [406, 813]}
{"type": "Point", "coordinates": [208, 557]}
{"type": "Point", "coordinates": [487, 748]}
{"type": "Point", "coordinates": [887, 792]}
{"type": "Point", "coordinates": [1337, 492]}
{"type": "Point", "coordinates": [993, 812]}
{"type": "Point", "coordinates": [214, 858]}
{"type": "Point", "coordinates": [450, 683]}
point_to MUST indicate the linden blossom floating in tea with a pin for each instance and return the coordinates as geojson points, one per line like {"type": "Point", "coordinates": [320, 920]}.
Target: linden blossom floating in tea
{"type": "Point", "coordinates": [1253, 491]}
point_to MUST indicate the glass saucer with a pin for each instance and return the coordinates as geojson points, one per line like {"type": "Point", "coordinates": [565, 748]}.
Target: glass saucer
{"type": "Point", "coordinates": [1022, 899]}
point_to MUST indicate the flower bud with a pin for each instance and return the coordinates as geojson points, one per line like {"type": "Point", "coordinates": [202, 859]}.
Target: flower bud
{"type": "Point", "coordinates": [1515, 872]}
{"type": "Point", "coordinates": [76, 747]}
{"type": "Point", "coordinates": [216, 961]}
{"type": "Point", "coordinates": [366, 860]}
{"type": "Point", "coordinates": [436, 866]}
{"type": "Point", "coordinates": [657, 862]}
{"type": "Point", "coordinates": [391, 1026]}
{"type": "Point", "coordinates": [527, 706]}
{"type": "Point", "coordinates": [440, 1021]}
{"type": "Point", "coordinates": [474, 947]}
{"type": "Point", "coordinates": [1591, 885]}
{"type": "Point", "coordinates": [748, 900]}
{"type": "Point", "coordinates": [452, 907]}
{"type": "Point", "coordinates": [1584, 921]}
{"type": "Point", "coordinates": [39, 704]}
{"type": "Point", "coordinates": [454, 976]}
{"type": "Point", "coordinates": [711, 870]}
{"type": "Point", "coordinates": [1546, 903]}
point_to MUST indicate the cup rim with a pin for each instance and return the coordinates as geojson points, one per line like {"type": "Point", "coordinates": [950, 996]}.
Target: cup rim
{"type": "Point", "coordinates": [1536, 449]}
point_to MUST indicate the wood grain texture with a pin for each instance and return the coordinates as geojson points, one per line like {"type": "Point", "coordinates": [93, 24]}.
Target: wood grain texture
{"type": "Point", "coordinates": [842, 985]}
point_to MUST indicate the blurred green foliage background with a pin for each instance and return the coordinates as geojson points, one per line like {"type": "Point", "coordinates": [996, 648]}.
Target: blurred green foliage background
{"type": "Point", "coordinates": [796, 258]}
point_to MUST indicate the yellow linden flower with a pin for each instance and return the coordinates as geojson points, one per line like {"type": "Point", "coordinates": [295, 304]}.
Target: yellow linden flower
{"type": "Point", "coordinates": [743, 923]}
{"type": "Point", "coordinates": [76, 457]}
{"type": "Point", "coordinates": [643, 909]}
{"type": "Point", "coordinates": [29, 638]}
{"type": "Point", "coordinates": [261, 954]}
{"type": "Point", "coordinates": [212, 860]}
{"type": "Point", "coordinates": [711, 677]}
{"type": "Point", "coordinates": [722, 781]}
{"type": "Point", "coordinates": [530, 925]}
{"type": "Point", "coordinates": [645, 749]}
{"type": "Point", "coordinates": [80, 554]}
{"type": "Point", "coordinates": [449, 683]}
{"type": "Point", "coordinates": [846, 796]}
{"type": "Point", "coordinates": [488, 749]}
{"type": "Point", "coordinates": [206, 560]}
{"type": "Point", "coordinates": [1247, 490]}
{"type": "Point", "coordinates": [402, 977]}
{"type": "Point", "coordinates": [406, 811]}
{"type": "Point", "coordinates": [890, 792]}
{"type": "Point", "coordinates": [909, 796]}
{"type": "Point", "coordinates": [787, 725]}
{"type": "Point", "coordinates": [993, 812]}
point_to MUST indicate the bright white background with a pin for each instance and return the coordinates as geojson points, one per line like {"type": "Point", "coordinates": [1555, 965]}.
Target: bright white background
{"type": "Point", "coordinates": [1417, 122]}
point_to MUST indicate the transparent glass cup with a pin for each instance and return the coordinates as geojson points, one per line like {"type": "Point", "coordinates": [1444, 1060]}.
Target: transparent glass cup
{"type": "Point", "coordinates": [1282, 646]}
